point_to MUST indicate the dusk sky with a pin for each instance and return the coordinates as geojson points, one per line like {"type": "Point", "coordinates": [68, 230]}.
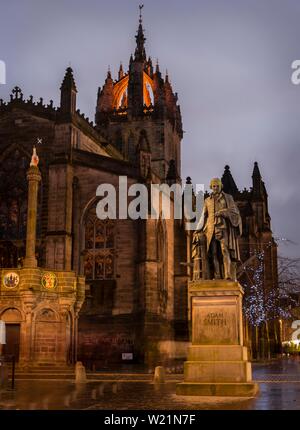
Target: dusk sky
{"type": "Point", "coordinates": [229, 61]}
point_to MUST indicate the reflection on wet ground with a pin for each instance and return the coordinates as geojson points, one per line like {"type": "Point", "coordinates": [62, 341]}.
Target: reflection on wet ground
{"type": "Point", "coordinates": [279, 389]}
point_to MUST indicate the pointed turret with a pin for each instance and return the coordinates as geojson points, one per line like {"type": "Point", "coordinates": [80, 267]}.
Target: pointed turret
{"type": "Point", "coordinates": [157, 71]}
{"type": "Point", "coordinates": [121, 72]}
{"type": "Point", "coordinates": [170, 98]}
{"type": "Point", "coordinates": [149, 67]}
{"type": "Point", "coordinates": [257, 183]}
{"type": "Point", "coordinates": [260, 200]}
{"type": "Point", "coordinates": [229, 185]}
{"type": "Point", "coordinates": [105, 96]}
{"type": "Point", "coordinates": [68, 92]}
{"type": "Point", "coordinates": [108, 73]}
{"type": "Point", "coordinates": [256, 172]}
{"type": "Point", "coordinates": [158, 92]}
{"type": "Point", "coordinates": [167, 77]}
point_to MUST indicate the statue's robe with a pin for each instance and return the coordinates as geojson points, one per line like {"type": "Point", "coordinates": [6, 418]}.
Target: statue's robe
{"type": "Point", "coordinates": [233, 222]}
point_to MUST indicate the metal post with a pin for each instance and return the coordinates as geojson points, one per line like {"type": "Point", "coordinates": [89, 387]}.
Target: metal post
{"type": "Point", "coordinates": [13, 373]}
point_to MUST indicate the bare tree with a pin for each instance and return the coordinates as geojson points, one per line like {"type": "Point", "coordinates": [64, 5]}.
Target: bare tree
{"type": "Point", "coordinates": [289, 274]}
{"type": "Point", "coordinates": [263, 306]}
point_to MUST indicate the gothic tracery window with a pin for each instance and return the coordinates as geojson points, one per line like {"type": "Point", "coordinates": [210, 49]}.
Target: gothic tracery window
{"type": "Point", "coordinates": [99, 247]}
{"type": "Point", "coordinates": [161, 269]}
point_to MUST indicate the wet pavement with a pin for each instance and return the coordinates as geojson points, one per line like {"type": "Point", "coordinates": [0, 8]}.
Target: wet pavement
{"type": "Point", "coordinates": [279, 383]}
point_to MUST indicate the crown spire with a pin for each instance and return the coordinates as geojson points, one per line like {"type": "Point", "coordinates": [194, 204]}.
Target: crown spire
{"type": "Point", "coordinates": [140, 53]}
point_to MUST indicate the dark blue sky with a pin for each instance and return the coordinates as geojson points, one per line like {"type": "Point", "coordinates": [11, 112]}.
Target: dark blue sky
{"type": "Point", "coordinates": [229, 61]}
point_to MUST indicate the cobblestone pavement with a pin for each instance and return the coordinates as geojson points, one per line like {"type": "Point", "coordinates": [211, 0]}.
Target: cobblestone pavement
{"type": "Point", "coordinates": [279, 389]}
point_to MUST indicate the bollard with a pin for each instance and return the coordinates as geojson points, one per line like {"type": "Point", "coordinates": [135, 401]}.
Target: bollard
{"type": "Point", "coordinates": [159, 375]}
{"type": "Point", "coordinates": [80, 374]}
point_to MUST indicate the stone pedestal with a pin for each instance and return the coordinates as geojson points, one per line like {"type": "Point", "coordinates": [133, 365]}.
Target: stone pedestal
{"type": "Point", "coordinates": [43, 308]}
{"type": "Point", "coordinates": [217, 362]}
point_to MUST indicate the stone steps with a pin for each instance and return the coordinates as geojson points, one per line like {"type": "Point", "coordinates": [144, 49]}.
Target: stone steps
{"type": "Point", "coordinates": [44, 376]}
{"type": "Point", "coordinates": [35, 369]}
{"type": "Point", "coordinates": [42, 371]}
{"type": "Point", "coordinates": [91, 376]}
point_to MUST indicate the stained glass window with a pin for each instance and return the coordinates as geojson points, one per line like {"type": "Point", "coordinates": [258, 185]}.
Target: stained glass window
{"type": "Point", "coordinates": [99, 247]}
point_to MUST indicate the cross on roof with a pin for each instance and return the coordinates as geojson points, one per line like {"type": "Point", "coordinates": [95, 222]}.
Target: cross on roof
{"type": "Point", "coordinates": [141, 7]}
{"type": "Point", "coordinates": [17, 91]}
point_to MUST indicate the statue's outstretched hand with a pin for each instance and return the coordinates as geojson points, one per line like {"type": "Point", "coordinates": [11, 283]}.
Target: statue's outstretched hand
{"type": "Point", "coordinates": [196, 236]}
{"type": "Point", "coordinates": [221, 212]}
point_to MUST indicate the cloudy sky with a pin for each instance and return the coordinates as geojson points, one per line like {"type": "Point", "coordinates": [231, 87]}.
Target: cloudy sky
{"type": "Point", "coordinates": [229, 61]}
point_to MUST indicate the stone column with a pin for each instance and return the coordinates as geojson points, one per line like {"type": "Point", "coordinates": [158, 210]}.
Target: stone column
{"type": "Point", "coordinates": [33, 177]}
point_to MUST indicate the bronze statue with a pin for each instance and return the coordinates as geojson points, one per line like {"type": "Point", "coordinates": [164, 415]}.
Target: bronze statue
{"type": "Point", "coordinates": [215, 249]}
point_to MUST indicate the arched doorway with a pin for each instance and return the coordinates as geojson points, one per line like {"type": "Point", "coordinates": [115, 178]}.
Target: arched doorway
{"type": "Point", "coordinates": [12, 318]}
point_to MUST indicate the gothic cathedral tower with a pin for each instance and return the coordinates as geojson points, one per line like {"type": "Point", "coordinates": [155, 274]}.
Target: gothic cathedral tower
{"type": "Point", "coordinates": [139, 112]}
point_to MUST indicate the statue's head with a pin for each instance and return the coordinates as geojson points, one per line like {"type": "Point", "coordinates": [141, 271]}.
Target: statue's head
{"type": "Point", "coordinates": [216, 185]}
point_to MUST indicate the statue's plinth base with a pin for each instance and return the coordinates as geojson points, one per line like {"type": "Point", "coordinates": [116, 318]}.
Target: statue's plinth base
{"type": "Point", "coordinates": [238, 389]}
{"type": "Point", "coordinates": [217, 360]}
{"type": "Point", "coordinates": [30, 263]}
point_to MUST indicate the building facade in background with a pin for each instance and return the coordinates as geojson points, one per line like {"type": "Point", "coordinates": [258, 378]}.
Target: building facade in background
{"type": "Point", "coordinates": [136, 271]}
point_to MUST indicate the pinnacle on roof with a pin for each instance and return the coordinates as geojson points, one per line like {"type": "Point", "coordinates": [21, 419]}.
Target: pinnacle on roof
{"type": "Point", "coordinates": [229, 185]}
{"type": "Point", "coordinates": [68, 81]}
{"type": "Point", "coordinates": [256, 172]}
{"type": "Point", "coordinates": [140, 53]}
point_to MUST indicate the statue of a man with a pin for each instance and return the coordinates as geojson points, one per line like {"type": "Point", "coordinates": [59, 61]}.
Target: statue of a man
{"type": "Point", "coordinates": [221, 224]}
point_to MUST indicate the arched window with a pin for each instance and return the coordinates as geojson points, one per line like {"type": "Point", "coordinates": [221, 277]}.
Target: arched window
{"type": "Point", "coordinates": [99, 247]}
{"type": "Point", "coordinates": [120, 92]}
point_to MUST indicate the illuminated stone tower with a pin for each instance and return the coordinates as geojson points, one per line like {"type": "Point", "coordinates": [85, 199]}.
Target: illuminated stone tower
{"type": "Point", "coordinates": [139, 109]}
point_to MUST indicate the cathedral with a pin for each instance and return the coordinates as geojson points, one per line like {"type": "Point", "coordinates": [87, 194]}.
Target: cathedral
{"type": "Point", "coordinates": [105, 292]}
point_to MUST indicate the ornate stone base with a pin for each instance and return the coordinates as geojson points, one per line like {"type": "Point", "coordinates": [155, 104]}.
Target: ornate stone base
{"type": "Point", "coordinates": [40, 309]}
{"type": "Point", "coordinates": [217, 360]}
